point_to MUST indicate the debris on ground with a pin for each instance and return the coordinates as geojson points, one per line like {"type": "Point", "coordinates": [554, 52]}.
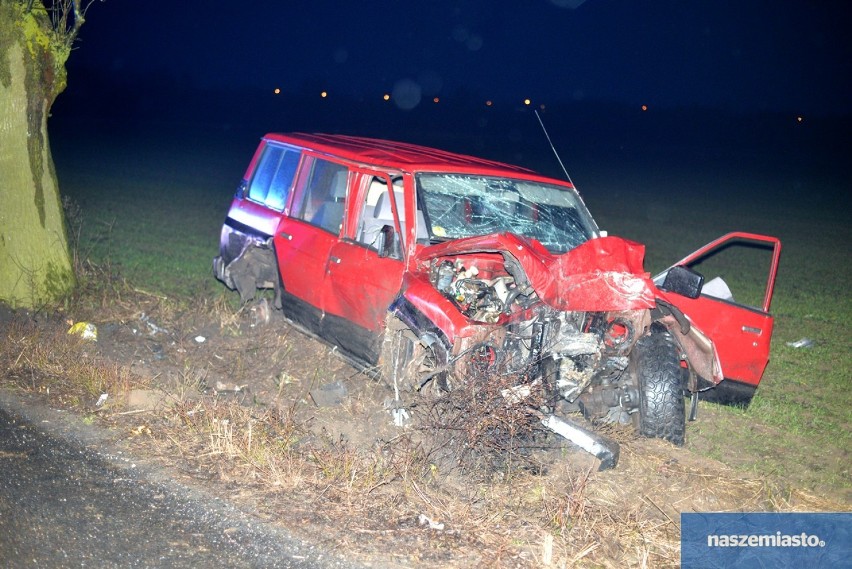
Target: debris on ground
{"type": "Point", "coordinates": [153, 329]}
{"type": "Point", "coordinates": [85, 330]}
{"type": "Point", "coordinates": [426, 520]}
{"type": "Point", "coordinates": [329, 395]}
{"type": "Point", "coordinates": [260, 313]}
{"type": "Point", "coordinates": [229, 387]}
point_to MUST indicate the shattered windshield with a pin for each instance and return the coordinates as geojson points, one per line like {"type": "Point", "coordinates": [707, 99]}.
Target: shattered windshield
{"type": "Point", "coordinates": [463, 205]}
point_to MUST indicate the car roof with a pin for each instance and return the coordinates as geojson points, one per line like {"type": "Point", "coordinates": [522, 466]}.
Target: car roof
{"type": "Point", "coordinates": [401, 155]}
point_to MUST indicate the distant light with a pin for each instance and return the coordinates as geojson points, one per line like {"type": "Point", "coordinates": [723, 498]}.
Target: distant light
{"type": "Point", "coordinates": [277, 91]}
{"type": "Point", "coordinates": [541, 106]}
{"type": "Point", "coordinates": [324, 94]}
{"type": "Point", "coordinates": [527, 102]}
{"type": "Point", "coordinates": [386, 97]}
{"type": "Point", "coordinates": [644, 107]}
{"type": "Point", "coordinates": [436, 100]}
{"type": "Point", "coordinates": [488, 103]}
{"type": "Point", "coordinates": [800, 118]}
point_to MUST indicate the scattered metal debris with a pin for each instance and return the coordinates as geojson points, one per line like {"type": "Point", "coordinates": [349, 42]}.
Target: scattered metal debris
{"type": "Point", "coordinates": [606, 450]}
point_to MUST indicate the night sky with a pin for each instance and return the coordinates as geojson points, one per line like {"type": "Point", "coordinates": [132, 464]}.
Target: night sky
{"type": "Point", "coordinates": [742, 56]}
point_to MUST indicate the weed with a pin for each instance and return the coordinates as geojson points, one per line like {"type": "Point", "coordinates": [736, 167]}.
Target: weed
{"type": "Point", "coordinates": [46, 359]}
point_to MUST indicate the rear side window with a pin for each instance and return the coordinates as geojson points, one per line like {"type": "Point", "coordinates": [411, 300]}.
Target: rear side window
{"type": "Point", "coordinates": [273, 176]}
{"type": "Point", "coordinates": [321, 201]}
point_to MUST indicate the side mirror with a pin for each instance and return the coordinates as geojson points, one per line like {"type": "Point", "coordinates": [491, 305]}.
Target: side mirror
{"type": "Point", "coordinates": [389, 245]}
{"type": "Point", "coordinates": [683, 281]}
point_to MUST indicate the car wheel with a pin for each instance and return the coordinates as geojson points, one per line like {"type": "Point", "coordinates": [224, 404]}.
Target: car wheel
{"type": "Point", "coordinates": [410, 363]}
{"type": "Point", "coordinates": [662, 412]}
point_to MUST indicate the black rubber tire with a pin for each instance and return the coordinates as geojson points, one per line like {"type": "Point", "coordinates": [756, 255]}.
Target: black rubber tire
{"type": "Point", "coordinates": [408, 360]}
{"type": "Point", "coordinates": [662, 411]}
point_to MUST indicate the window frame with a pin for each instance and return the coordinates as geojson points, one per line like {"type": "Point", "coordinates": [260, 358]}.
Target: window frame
{"type": "Point", "coordinates": [302, 192]}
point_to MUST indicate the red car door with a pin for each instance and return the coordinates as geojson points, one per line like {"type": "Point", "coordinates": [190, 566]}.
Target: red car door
{"type": "Point", "coordinates": [304, 239]}
{"type": "Point", "coordinates": [360, 283]}
{"type": "Point", "coordinates": [739, 326]}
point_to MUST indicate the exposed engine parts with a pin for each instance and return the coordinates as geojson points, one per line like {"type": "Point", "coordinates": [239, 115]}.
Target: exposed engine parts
{"type": "Point", "coordinates": [582, 355]}
{"type": "Point", "coordinates": [482, 300]}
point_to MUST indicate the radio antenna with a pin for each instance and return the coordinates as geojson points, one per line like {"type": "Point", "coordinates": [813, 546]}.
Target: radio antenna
{"type": "Point", "coordinates": [553, 147]}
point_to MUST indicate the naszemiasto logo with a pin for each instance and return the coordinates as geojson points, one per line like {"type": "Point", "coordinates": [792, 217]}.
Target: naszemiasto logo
{"type": "Point", "coordinates": [777, 539]}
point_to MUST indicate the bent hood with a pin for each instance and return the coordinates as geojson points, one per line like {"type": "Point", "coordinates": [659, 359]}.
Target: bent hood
{"type": "Point", "coordinates": [601, 275]}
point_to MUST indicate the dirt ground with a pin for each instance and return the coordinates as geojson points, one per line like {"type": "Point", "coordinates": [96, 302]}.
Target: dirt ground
{"type": "Point", "coordinates": [254, 357]}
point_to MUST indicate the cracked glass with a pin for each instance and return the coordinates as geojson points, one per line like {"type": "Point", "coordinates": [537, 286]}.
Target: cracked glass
{"type": "Point", "coordinates": [462, 205]}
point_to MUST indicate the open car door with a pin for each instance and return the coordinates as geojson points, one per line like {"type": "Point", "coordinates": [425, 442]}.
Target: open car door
{"type": "Point", "coordinates": [731, 307]}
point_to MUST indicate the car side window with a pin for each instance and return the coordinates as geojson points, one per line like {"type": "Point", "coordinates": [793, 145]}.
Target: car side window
{"type": "Point", "coordinates": [376, 212]}
{"type": "Point", "coordinates": [322, 200]}
{"type": "Point", "coordinates": [273, 176]}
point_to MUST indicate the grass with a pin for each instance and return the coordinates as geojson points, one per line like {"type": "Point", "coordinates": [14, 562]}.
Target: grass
{"type": "Point", "coordinates": [396, 495]}
{"type": "Point", "coordinates": [154, 212]}
{"type": "Point", "coordinates": [48, 360]}
{"type": "Point", "coordinates": [804, 395]}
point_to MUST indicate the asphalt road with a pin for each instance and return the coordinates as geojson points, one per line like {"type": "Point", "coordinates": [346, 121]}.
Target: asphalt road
{"type": "Point", "coordinates": [64, 503]}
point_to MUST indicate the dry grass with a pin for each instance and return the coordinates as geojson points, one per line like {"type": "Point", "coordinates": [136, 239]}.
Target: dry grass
{"type": "Point", "coordinates": [392, 496]}
{"type": "Point", "coordinates": [484, 425]}
{"type": "Point", "coordinates": [47, 359]}
{"type": "Point", "coordinates": [476, 484]}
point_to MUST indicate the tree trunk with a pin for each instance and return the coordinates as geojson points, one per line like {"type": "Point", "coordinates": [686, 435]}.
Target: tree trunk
{"type": "Point", "coordinates": [35, 263]}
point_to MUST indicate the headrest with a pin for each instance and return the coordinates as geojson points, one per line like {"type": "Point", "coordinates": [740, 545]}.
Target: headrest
{"type": "Point", "coordinates": [339, 183]}
{"type": "Point", "coordinates": [383, 206]}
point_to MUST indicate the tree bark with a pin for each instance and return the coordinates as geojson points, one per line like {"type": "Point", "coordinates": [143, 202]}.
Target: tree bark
{"type": "Point", "coordinates": [35, 262]}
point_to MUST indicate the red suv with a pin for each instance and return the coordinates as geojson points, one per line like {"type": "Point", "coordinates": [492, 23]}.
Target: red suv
{"type": "Point", "coordinates": [436, 268]}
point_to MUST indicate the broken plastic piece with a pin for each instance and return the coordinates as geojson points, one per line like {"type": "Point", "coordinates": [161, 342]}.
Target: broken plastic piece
{"type": "Point", "coordinates": [802, 343]}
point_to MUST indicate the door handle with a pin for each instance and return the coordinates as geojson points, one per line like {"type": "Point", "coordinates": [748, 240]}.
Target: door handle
{"type": "Point", "coordinates": [335, 260]}
{"type": "Point", "coordinates": [752, 330]}
{"type": "Point", "coordinates": [286, 236]}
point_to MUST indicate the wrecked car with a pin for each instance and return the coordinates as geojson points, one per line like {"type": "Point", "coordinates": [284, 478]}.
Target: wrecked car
{"type": "Point", "coordinates": [436, 268]}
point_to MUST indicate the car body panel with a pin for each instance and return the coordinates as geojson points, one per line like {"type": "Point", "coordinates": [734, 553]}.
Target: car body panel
{"type": "Point", "coordinates": [341, 288]}
{"type": "Point", "coordinates": [602, 274]}
{"type": "Point", "coordinates": [253, 218]}
{"type": "Point", "coordinates": [360, 285]}
{"type": "Point", "coordinates": [741, 334]}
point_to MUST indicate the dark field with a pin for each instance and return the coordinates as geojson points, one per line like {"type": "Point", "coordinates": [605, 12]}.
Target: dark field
{"type": "Point", "coordinates": [153, 197]}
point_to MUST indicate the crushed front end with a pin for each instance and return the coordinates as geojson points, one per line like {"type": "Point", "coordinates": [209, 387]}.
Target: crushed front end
{"type": "Point", "coordinates": [503, 306]}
